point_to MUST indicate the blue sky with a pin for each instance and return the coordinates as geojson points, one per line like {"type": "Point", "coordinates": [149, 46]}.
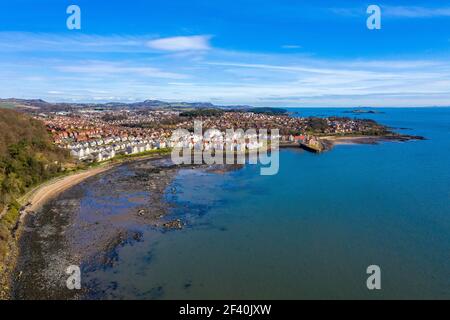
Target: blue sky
{"type": "Point", "coordinates": [263, 53]}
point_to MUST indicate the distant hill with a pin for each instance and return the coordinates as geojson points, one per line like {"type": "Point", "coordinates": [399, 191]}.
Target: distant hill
{"type": "Point", "coordinates": [21, 103]}
{"type": "Point", "coordinates": [38, 105]}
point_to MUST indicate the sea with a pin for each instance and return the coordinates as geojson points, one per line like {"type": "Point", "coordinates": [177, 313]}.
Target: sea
{"type": "Point", "coordinates": [311, 231]}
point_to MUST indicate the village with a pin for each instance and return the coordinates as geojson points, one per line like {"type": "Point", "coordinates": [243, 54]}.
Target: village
{"type": "Point", "coordinates": [96, 135]}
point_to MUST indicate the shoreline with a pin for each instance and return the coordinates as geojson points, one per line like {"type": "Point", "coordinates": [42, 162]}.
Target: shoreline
{"type": "Point", "coordinates": [361, 139]}
{"type": "Point", "coordinates": [34, 199]}
{"type": "Point", "coordinates": [350, 140]}
{"type": "Point", "coordinates": [97, 239]}
{"type": "Point", "coordinates": [51, 188]}
{"type": "Point", "coordinates": [64, 235]}
{"type": "Point", "coordinates": [329, 142]}
{"type": "Point", "coordinates": [45, 192]}
{"type": "Point", "coordinates": [40, 195]}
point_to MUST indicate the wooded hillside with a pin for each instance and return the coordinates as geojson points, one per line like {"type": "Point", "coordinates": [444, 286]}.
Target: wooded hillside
{"type": "Point", "coordinates": [27, 154]}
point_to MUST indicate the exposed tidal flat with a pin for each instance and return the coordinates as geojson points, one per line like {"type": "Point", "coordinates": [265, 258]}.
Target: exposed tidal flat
{"type": "Point", "coordinates": [308, 232]}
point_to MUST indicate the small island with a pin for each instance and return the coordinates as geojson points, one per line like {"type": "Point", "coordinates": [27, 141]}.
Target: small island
{"type": "Point", "coordinates": [363, 111]}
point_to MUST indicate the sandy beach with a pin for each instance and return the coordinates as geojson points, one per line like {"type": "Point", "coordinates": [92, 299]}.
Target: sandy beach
{"type": "Point", "coordinates": [37, 197]}
{"type": "Point", "coordinates": [347, 140]}
{"type": "Point", "coordinates": [335, 140]}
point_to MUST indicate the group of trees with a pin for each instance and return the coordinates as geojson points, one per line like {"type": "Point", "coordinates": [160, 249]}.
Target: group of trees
{"type": "Point", "coordinates": [114, 117]}
{"type": "Point", "coordinates": [27, 155]}
{"type": "Point", "coordinates": [27, 158]}
{"type": "Point", "coordinates": [202, 113]}
{"type": "Point", "coordinates": [268, 111]}
{"type": "Point", "coordinates": [317, 124]}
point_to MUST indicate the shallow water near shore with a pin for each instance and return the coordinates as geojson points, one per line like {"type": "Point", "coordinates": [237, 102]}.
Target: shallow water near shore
{"type": "Point", "coordinates": [308, 232]}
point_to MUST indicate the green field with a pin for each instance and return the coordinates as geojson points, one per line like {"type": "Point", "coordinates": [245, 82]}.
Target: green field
{"type": "Point", "coordinates": [7, 105]}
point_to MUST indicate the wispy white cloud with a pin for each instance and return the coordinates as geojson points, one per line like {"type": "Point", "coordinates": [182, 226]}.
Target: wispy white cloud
{"type": "Point", "coordinates": [28, 41]}
{"type": "Point", "coordinates": [396, 11]}
{"type": "Point", "coordinates": [188, 43]}
{"type": "Point", "coordinates": [110, 68]}
{"type": "Point", "coordinates": [219, 76]}
{"type": "Point", "coordinates": [415, 12]}
{"type": "Point", "coordinates": [38, 42]}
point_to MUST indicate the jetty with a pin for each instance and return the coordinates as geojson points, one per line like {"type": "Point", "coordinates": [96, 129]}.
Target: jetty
{"type": "Point", "coordinates": [312, 147]}
{"type": "Point", "coordinates": [311, 144]}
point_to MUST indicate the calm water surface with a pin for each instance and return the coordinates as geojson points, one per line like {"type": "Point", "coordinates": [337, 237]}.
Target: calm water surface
{"type": "Point", "coordinates": [311, 230]}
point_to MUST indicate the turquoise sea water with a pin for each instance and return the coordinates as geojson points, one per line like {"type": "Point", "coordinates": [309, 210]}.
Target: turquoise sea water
{"type": "Point", "coordinates": [311, 230]}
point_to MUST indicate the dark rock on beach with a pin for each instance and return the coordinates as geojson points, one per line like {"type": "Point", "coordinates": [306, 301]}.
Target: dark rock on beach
{"type": "Point", "coordinates": [174, 224]}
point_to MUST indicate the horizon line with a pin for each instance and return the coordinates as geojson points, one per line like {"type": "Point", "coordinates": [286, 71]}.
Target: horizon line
{"type": "Point", "coordinates": [217, 105]}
